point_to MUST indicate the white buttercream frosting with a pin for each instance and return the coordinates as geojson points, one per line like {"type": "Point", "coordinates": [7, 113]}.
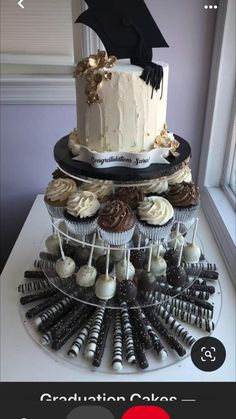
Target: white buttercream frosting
{"type": "Point", "coordinates": [128, 118]}
{"type": "Point", "coordinates": [102, 188]}
{"type": "Point", "coordinates": [82, 204]}
{"type": "Point", "coordinates": [155, 210]}
{"type": "Point", "coordinates": [158, 186]}
{"type": "Point", "coordinates": [60, 189]}
{"type": "Point", "coordinates": [182, 175]}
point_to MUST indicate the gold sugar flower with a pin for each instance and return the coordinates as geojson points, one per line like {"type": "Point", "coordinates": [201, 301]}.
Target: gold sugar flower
{"type": "Point", "coordinates": [94, 69]}
{"type": "Point", "coordinates": [167, 140]}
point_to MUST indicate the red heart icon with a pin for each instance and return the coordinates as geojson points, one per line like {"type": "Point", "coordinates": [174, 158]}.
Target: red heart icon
{"type": "Point", "coordinates": [146, 412]}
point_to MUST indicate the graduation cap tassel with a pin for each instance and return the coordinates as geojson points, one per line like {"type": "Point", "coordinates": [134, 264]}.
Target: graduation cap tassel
{"type": "Point", "coordinates": [153, 75]}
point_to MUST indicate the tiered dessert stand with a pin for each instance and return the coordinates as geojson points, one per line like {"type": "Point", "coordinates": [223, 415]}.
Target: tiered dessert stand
{"type": "Point", "coordinates": [144, 327]}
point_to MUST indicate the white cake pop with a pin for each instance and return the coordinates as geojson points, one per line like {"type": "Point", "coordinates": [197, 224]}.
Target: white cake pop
{"type": "Point", "coordinates": [192, 252]}
{"type": "Point", "coordinates": [117, 254]}
{"type": "Point", "coordinates": [158, 248]}
{"type": "Point", "coordinates": [176, 240]}
{"type": "Point", "coordinates": [65, 267]}
{"type": "Point", "coordinates": [99, 251]}
{"type": "Point", "coordinates": [86, 275]}
{"type": "Point", "coordinates": [158, 264]}
{"type": "Point", "coordinates": [52, 244]}
{"type": "Point", "coordinates": [105, 287]}
{"type": "Point", "coordinates": [124, 270]}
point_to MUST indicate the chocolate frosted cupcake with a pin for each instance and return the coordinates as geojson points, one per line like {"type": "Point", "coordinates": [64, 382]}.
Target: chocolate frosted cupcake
{"type": "Point", "coordinates": [155, 217]}
{"type": "Point", "coordinates": [131, 196]}
{"type": "Point", "coordinates": [81, 213]}
{"type": "Point", "coordinates": [185, 199]}
{"type": "Point", "coordinates": [156, 187]}
{"type": "Point", "coordinates": [57, 194]}
{"type": "Point", "coordinates": [116, 222]}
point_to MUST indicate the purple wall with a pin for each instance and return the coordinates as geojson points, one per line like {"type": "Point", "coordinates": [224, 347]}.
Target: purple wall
{"type": "Point", "coordinates": [28, 133]}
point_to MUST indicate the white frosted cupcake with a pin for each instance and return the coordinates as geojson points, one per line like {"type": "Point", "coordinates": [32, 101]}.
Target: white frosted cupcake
{"type": "Point", "coordinates": [57, 194]}
{"type": "Point", "coordinates": [155, 217]}
{"type": "Point", "coordinates": [182, 175]}
{"type": "Point", "coordinates": [81, 213]}
{"type": "Point", "coordinates": [156, 187]}
{"type": "Point", "coordinates": [102, 188]}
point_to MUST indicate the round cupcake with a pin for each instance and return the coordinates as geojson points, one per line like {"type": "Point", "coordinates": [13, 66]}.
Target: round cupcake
{"type": "Point", "coordinates": [156, 187]}
{"type": "Point", "coordinates": [57, 194]}
{"type": "Point", "coordinates": [130, 195]}
{"type": "Point", "coordinates": [81, 213]}
{"type": "Point", "coordinates": [185, 199]}
{"type": "Point", "coordinates": [155, 217]}
{"type": "Point", "coordinates": [116, 222]}
{"type": "Point", "coordinates": [103, 189]}
{"type": "Point", "coordinates": [182, 175]}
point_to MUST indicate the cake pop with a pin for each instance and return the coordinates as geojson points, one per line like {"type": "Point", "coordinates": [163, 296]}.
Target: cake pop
{"type": "Point", "coordinates": [177, 239]}
{"type": "Point", "coordinates": [147, 280]}
{"type": "Point", "coordinates": [192, 252]}
{"type": "Point", "coordinates": [105, 287]}
{"type": "Point", "coordinates": [176, 275]}
{"type": "Point", "coordinates": [158, 264]}
{"type": "Point", "coordinates": [124, 269]}
{"type": "Point", "coordinates": [101, 264]}
{"type": "Point", "coordinates": [138, 256]}
{"type": "Point", "coordinates": [81, 254]}
{"type": "Point", "coordinates": [117, 254]}
{"type": "Point", "coordinates": [52, 244]}
{"type": "Point", "coordinates": [86, 275]}
{"type": "Point", "coordinates": [126, 289]}
{"type": "Point", "coordinates": [65, 266]}
{"type": "Point", "coordinates": [99, 251]}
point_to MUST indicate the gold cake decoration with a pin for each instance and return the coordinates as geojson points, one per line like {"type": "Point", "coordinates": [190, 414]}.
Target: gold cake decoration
{"type": "Point", "coordinates": [94, 69]}
{"type": "Point", "coordinates": [167, 140]}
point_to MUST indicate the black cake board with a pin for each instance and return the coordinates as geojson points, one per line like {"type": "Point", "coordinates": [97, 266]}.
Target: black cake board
{"type": "Point", "coordinates": [78, 169]}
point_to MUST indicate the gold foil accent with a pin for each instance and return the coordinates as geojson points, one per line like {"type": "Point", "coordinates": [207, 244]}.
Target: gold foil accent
{"type": "Point", "coordinates": [167, 141]}
{"type": "Point", "coordinates": [94, 69]}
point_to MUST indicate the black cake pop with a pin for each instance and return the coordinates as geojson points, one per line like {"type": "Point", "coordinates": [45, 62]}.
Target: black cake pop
{"type": "Point", "coordinates": [147, 280]}
{"type": "Point", "coordinates": [176, 275]}
{"type": "Point", "coordinates": [101, 264]}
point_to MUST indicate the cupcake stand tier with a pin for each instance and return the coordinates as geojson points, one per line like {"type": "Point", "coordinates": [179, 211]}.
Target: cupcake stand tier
{"type": "Point", "coordinates": [81, 170]}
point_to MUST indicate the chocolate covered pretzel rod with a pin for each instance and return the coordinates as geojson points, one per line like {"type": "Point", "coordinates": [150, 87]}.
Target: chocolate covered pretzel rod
{"type": "Point", "coordinates": [157, 344]}
{"type": "Point", "coordinates": [45, 265]}
{"type": "Point", "coordinates": [137, 321]}
{"type": "Point", "coordinates": [182, 305]}
{"type": "Point", "coordinates": [199, 287]}
{"type": "Point", "coordinates": [48, 256]}
{"type": "Point", "coordinates": [41, 284]}
{"type": "Point", "coordinates": [127, 334]}
{"type": "Point", "coordinates": [201, 295]}
{"type": "Point", "coordinates": [185, 297]}
{"type": "Point", "coordinates": [46, 304]}
{"type": "Point", "coordinates": [27, 299]}
{"type": "Point", "coordinates": [141, 358]}
{"type": "Point", "coordinates": [203, 266]}
{"type": "Point", "coordinates": [117, 357]}
{"type": "Point", "coordinates": [80, 340]}
{"type": "Point", "coordinates": [185, 316]}
{"type": "Point", "coordinates": [55, 308]}
{"type": "Point", "coordinates": [34, 275]}
{"type": "Point", "coordinates": [47, 325]}
{"type": "Point", "coordinates": [163, 331]}
{"type": "Point", "coordinates": [73, 328]}
{"type": "Point", "coordinates": [102, 338]}
{"type": "Point", "coordinates": [176, 327]}
{"type": "Point", "coordinates": [94, 332]}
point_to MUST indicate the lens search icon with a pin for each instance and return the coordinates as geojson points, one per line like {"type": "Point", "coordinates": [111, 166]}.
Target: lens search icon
{"type": "Point", "coordinates": [208, 354]}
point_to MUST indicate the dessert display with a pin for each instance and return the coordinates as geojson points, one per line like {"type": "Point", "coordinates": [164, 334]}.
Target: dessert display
{"type": "Point", "coordinates": [118, 276]}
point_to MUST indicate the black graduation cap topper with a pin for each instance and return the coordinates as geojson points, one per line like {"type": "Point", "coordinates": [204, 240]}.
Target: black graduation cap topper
{"type": "Point", "coordinates": [127, 30]}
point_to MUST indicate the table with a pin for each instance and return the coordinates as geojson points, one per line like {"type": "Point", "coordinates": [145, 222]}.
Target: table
{"type": "Point", "coordinates": [23, 360]}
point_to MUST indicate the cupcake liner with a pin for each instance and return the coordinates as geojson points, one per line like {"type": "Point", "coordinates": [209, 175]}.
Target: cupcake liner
{"type": "Point", "coordinates": [185, 215]}
{"type": "Point", "coordinates": [55, 212]}
{"type": "Point", "coordinates": [156, 232]}
{"type": "Point", "coordinates": [81, 228]}
{"type": "Point", "coordinates": [116, 239]}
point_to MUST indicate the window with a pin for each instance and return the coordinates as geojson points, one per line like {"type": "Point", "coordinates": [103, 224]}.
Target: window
{"type": "Point", "coordinates": [217, 166]}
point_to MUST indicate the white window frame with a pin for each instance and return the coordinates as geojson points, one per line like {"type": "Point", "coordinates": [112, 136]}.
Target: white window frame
{"type": "Point", "coordinates": [216, 145]}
